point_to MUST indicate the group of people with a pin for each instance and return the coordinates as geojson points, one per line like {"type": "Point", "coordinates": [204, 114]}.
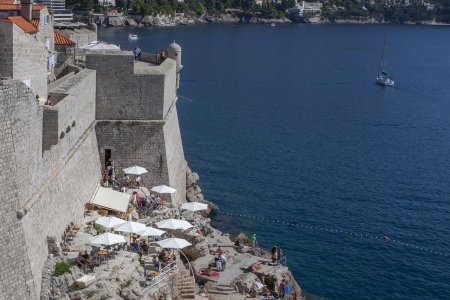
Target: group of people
{"type": "Point", "coordinates": [84, 261]}
{"type": "Point", "coordinates": [283, 291]}
{"type": "Point", "coordinates": [220, 260]}
{"type": "Point", "coordinates": [144, 203]}
{"type": "Point", "coordinates": [139, 246]}
{"type": "Point", "coordinates": [165, 257]}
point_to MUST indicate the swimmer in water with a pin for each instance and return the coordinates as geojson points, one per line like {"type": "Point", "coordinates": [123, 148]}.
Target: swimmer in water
{"type": "Point", "coordinates": [386, 238]}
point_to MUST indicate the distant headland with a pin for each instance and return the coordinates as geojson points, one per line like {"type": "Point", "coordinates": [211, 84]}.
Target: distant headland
{"type": "Point", "coordinates": [166, 13]}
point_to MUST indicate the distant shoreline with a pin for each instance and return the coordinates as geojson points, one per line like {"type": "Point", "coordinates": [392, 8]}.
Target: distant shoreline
{"type": "Point", "coordinates": [138, 21]}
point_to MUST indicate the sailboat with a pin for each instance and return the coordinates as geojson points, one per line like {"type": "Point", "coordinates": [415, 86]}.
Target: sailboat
{"type": "Point", "coordinates": [383, 78]}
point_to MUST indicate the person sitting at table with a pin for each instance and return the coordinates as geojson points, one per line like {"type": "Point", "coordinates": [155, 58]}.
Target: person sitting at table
{"type": "Point", "coordinates": [144, 247]}
{"type": "Point", "coordinates": [86, 255]}
{"type": "Point", "coordinates": [158, 202]}
{"type": "Point", "coordinates": [80, 261]}
{"type": "Point", "coordinates": [134, 246]}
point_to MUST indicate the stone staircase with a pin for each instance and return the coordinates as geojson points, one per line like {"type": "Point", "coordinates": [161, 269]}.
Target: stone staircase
{"type": "Point", "coordinates": [222, 289]}
{"type": "Point", "coordinates": [186, 285]}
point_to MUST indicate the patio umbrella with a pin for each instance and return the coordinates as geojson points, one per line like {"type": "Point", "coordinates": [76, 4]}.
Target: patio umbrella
{"type": "Point", "coordinates": [174, 243]}
{"type": "Point", "coordinates": [130, 227]}
{"type": "Point", "coordinates": [174, 224]}
{"type": "Point", "coordinates": [163, 189]}
{"type": "Point", "coordinates": [194, 206]}
{"type": "Point", "coordinates": [107, 239]}
{"type": "Point", "coordinates": [135, 170]}
{"type": "Point", "coordinates": [150, 231]}
{"type": "Point", "coordinates": [109, 222]}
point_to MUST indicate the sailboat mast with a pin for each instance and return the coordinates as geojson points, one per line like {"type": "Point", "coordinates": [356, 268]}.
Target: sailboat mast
{"type": "Point", "coordinates": [381, 67]}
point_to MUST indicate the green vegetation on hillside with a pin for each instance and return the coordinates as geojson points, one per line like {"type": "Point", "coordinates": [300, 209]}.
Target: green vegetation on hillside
{"type": "Point", "coordinates": [387, 10]}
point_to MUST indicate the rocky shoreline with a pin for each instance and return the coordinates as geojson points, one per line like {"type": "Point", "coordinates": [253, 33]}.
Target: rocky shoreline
{"type": "Point", "coordinates": [124, 275]}
{"type": "Point", "coordinates": [160, 20]}
{"type": "Point", "coordinates": [231, 16]}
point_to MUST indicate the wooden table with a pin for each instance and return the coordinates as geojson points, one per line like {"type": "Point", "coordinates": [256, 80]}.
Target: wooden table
{"type": "Point", "coordinates": [102, 252]}
{"type": "Point", "coordinates": [152, 274]}
{"type": "Point", "coordinates": [71, 233]}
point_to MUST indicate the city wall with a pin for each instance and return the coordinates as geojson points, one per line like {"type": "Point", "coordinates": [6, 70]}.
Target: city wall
{"type": "Point", "coordinates": [47, 188]}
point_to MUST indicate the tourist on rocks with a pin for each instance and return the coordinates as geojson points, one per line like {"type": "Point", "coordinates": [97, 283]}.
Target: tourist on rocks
{"type": "Point", "coordinates": [223, 259]}
{"type": "Point", "coordinates": [238, 245]}
{"type": "Point", "coordinates": [281, 287]}
{"type": "Point", "coordinates": [127, 181]}
{"type": "Point", "coordinates": [123, 189]}
{"type": "Point", "coordinates": [218, 263]}
{"type": "Point", "coordinates": [274, 252]}
{"type": "Point", "coordinates": [253, 240]}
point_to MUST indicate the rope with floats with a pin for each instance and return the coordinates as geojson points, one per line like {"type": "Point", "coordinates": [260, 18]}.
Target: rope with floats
{"type": "Point", "coordinates": [383, 238]}
{"type": "Point", "coordinates": [186, 98]}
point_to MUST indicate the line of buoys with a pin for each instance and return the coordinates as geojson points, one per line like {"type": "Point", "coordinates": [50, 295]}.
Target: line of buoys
{"type": "Point", "coordinates": [186, 98]}
{"type": "Point", "coordinates": [355, 234]}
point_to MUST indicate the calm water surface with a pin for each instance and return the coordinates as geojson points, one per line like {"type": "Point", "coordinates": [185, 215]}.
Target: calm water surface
{"type": "Point", "coordinates": [286, 122]}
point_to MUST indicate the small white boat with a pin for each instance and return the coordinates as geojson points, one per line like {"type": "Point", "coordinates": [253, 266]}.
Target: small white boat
{"type": "Point", "coordinates": [383, 78]}
{"type": "Point", "coordinates": [273, 24]}
{"type": "Point", "coordinates": [132, 36]}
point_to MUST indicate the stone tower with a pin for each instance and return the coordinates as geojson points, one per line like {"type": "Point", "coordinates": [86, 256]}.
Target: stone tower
{"type": "Point", "coordinates": [137, 120]}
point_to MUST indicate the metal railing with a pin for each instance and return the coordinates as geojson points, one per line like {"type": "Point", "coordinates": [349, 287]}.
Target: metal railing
{"type": "Point", "coordinates": [162, 275]}
{"type": "Point", "coordinates": [282, 262]}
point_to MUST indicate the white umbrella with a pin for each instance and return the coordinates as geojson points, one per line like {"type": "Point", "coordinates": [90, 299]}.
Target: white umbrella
{"type": "Point", "coordinates": [109, 222]}
{"type": "Point", "coordinates": [163, 189]}
{"type": "Point", "coordinates": [174, 224]}
{"type": "Point", "coordinates": [194, 206]}
{"type": "Point", "coordinates": [150, 231]}
{"type": "Point", "coordinates": [107, 239]}
{"type": "Point", "coordinates": [130, 226]}
{"type": "Point", "coordinates": [135, 170]}
{"type": "Point", "coordinates": [174, 243]}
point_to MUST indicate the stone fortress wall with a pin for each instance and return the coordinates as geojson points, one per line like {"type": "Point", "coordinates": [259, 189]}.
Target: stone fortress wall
{"type": "Point", "coordinates": [52, 156]}
{"type": "Point", "coordinates": [51, 186]}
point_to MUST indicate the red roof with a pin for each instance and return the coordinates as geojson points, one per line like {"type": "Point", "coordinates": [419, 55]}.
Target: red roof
{"type": "Point", "coordinates": [7, 1]}
{"type": "Point", "coordinates": [35, 23]}
{"type": "Point", "coordinates": [62, 40]}
{"type": "Point", "coordinates": [24, 24]}
{"type": "Point", "coordinates": [15, 7]}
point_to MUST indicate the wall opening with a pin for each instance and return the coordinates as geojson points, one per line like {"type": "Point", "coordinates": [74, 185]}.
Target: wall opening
{"type": "Point", "coordinates": [108, 160]}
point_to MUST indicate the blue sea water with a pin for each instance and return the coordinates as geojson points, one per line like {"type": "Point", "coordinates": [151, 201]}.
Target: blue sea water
{"type": "Point", "coordinates": [287, 122]}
